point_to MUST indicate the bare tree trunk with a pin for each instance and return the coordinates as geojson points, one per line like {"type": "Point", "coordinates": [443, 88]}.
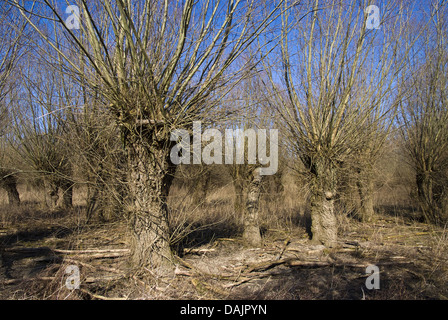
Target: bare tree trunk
{"type": "Point", "coordinates": [54, 196]}
{"type": "Point", "coordinates": [150, 177]}
{"type": "Point", "coordinates": [366, 210]}
{"type": "Point", "coordinates": [67, 195]}
{"type": "Point", "coordinates": [92, 198]}
{"type": "Point", "coordinates": [278, 184]}
{"type": "Point", "coordinates": [10, 185]}
{"type": "Point", "coordinates": [240, 192]}
{"type": "Point", "coordinates": [432, 199]}
{"type": "Point", "coordinates": [251, 232]}
{"type": "Point", "coordinates": [274, 187]}
{"type": "Point", "coordinates": [104, 198]}
{"type": "Point", "coordinates": [202, 184]}
{"type": "Point", "coordinates": [424, 195]}
{"type": "Point", "coordinates": [423, 189]}
{"type": "Point", "coordinates": [323, 191]}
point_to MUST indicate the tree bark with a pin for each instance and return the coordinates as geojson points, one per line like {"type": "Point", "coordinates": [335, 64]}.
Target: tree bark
{"type": "Point", "coordinates": [432, 200]}
{"type": "Point", "coordinates": [202, 184]}
{"type": "Point", "coordinates": [54, 196]}
{"type": "Point", "coordinates": [424, 195]}
{"type": "Point", "coordinates": [323, 191]}
{"type": "Point", "coordinates": [67, 195]}
{"type": "Point", "coordinates": [366, 210]}
{"type": "Point", "coordinates": [10, 185]}
{"type": "Point", "coordinates": [251, 232]}
{"type": "Point", "coordinates": [274, 187]}
{"type": "Point", "coordinates": [92, 198]}
{"type": "Point", "coordinates": [240, 192]}
{"type": "Point", "coordinates": [150, 177]}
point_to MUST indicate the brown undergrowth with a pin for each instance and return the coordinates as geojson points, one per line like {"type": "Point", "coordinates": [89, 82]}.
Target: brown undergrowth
{"type": "Point", "coordinates": [212, 262]}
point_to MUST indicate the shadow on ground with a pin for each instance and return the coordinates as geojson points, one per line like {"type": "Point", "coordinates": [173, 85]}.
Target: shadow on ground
{"type": "Point", "coordinates": [341, 283]}
{"type": "Point", "coordinates": [17, 261]}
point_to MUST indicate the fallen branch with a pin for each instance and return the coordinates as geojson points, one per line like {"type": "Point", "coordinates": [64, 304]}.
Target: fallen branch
{"type": "Point", "coordinates": [27, 250]}
{"type": "Point", "coordinates": [15, 281]}
{"type": "Point", "coordinates": [197, 251]}
{"type": "Point", "coordinates": [97, 296]}
{"type": "Point", "coordinates": [179, 272]}
{"type": "Point", "coordinates": [100, 255]}
{"type": "Point", "coordinates": [200, 273]}
{"type": "Point", "coordinates": [244, 279]}
{"type": "Point", "coordinates": [253, 276]}
{"type": "Point", "coordinates": [98, 279]}
{"type": "Point", "coordinates": [266, 265]}
{"type": "Point", "coordinates": [74, 252]}
{"type": "Point", "coordinates": [86, 280]}
{"type": "Point", "coordinates": [123, 251]}
{"type": "Point", "coordinates": [292, 262]}
{"type": "Point", "coordinates": [285, 245]}
{"type": "Point", "coordinates": [235, 284]}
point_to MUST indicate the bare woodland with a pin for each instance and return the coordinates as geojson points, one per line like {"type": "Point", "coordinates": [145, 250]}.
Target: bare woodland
{"type": "Point", "coordinates": [88, 103]}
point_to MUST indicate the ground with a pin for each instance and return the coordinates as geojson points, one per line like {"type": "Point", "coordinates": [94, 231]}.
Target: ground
{"type": "Point", "coordinates": [410, 255]}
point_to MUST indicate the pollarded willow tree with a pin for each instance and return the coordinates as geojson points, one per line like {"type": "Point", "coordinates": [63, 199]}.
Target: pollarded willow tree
{"type": "Point", "coordinates": [39, 113]}
{"type": "Point", "coordinates": [335, 81]}
{"type": "Point", "coordinates": [250, 115]}
{"type": "Point", "coordinates": [157, 63]}
{"type": "Point", "coordinates": [424, 117]}
{"type": "Point", "coordinates": [12, 28]}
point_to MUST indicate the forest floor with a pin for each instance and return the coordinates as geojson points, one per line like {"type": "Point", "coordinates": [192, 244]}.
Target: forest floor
{"type": "Point", "coordinates": [411, 256]}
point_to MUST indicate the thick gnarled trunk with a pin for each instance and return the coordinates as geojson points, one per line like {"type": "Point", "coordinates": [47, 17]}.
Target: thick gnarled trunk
{"type": "Point", "coordinates": [432, 199]}
{"type": "Point", "coordinates": [10, 185]}
{"type": "Point", "coordinates": [251, 233]}
{"type": "Point", "coordinates": [13, 195]}
{"type": "Point", "coordinates": [323, 191]}
{"type": "Point", "coordinates": [150, 177]}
